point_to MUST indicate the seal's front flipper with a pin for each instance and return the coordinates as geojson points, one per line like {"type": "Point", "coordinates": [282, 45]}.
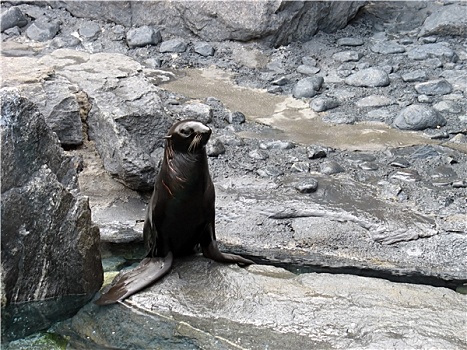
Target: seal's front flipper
{"type": "Point", "coordinates": [213, 252]}
{"type": "Point", "coordinates": [147, 272]}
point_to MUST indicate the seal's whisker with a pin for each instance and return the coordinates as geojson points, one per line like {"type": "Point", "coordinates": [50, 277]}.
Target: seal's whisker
{"type": "Point", "coordinates": [195, 142]}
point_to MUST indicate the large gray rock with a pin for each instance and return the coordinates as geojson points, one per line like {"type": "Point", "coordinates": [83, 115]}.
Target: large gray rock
{"type": "Point", "coordinates": [142, 36]}
{"type": "Point", "coordinates": [307, 87]}
{"type": "Point", "coordinates": [276, 22]}
{"type": "Point", "coordinates": [369, 77]}
{"type": "Point", "coordinates": [50, 248]}
{"type": "Point", "coordinates": [12, 17]}
{"type": "Point", "coordinates": [446, 20]}
{"type": "Point", "coordinates": [42, 30]}
{"type": "Point", "coordinates": [418, 117]}
{"type": "Point", "coordinates": [207, 305]}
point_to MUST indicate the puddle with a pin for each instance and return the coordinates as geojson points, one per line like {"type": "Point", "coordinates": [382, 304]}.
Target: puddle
{"type": "Point", "coordinates": [293, 118]}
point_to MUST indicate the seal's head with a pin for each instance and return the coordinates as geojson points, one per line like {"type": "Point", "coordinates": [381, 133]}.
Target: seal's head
{"type": "Point", "coordinates": [188, 136]}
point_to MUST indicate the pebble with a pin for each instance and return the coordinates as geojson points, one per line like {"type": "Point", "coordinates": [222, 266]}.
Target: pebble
{"type": "Point", "coordinates": [309, 61]}
{"type": "Point", "coordinates": [400, 163]}
{"type": "Point", "coordinates": [387, 47]}
{"type": "Point", "coordinates": [280, 81]}
{"type": "Point", "coordinates": [258, 154]}
{"type": "Point", "coordinates": [89, 30]}
{"type": "Point", "coordinates": [13, 17]}
{"type": "Point", "coordinates": [407, 175]}
{"type": "Point", "coordinates": [347, 56]}
{"type": "Point", "coordinates": [374, 101]}
{"type": "Point", "coordinates": [368, 166]}
{"type": "Point", "coordinates": [389, 191]}
{"type": "Point", "coordinates": [277, 144]}
{"type": "Point", "coordinates": [275, 89]}
{"type": "Point", "coordinates": [174, 45]}
{"type": "Point", "coordinates": [300, 167]}
{"type": "Point", "coordinates": [380, 115]}
{"type": "Point", "coordinates": [444, 172]}
{"type": "Point", "coordinates": [307, 186]}
{"type": "Point", "coordinates": [425, 99]}
{"type": "Point", "coordinates": [142, 36]}
{"type": "Point", "coordinates": [316, 151]}
{"type": "Point", "coordinates": [42, 31]}
{"type": "Point", "coordinates": [204, 49]}
{"type": "Point", "coordinates": [350, 42]}
{"type": "Point", "coordinates": [198, 111]}
{"type": "Point", "coordinates": [269, 171]}
{"type": "Point", "coordinates": [340, 118]}
{"type": "Point", "coordinates": [434, 87]}
{"type": "Point", "coordinates": [425, 152]}
{"type": "Point", "coordinates": [215, 148]}
{"type": "Point", "coordinates": [307, 70]}
{"type": "Point", "coordinates": [370, 77]}
{"type": "Point", "coordinates": [448, 106]}
{"type": "Point", "coordinates": [321, 104]}
{"type": "Point", "coordinates": [330, 168]}
{"type": "Point", "coordinates": [66, 41]}
{"type": "Point", "coordinates": [423, 52]}
{"type": "Point", "coordinates": [460, 184]}
{"type": "Point", "coordinates": [235, 118]}
{"type": "Point", "coordinates": [358, 157]}
{"type": "Point", "coordinates": [418, 117]}
{"type": "Point", "coordinates": [307, 87]}
{"type": "Point", "coordinates": [415, 76]}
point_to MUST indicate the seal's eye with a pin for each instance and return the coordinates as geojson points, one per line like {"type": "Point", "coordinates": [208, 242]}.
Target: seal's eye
{"type": "Point", "coordinates": [186, 131]}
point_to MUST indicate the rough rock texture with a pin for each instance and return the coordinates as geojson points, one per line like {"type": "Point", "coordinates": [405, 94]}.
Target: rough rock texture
{"type": "Point", "coordinates": [50, 248]}
{"type": "Point", "coordinates": [276, 22]}
{"type": "Point", "coordinates": [448, 20]}
{"type": "Point", "coordinates": [202, 304]}
{"type": "Point", "coordinates": [418, 117]}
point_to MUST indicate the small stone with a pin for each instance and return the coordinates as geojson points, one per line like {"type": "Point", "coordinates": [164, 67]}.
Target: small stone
{"type": "Point", "coordinates": [89, 30]}
{"type": "Point", "coordinates": [153, 62]}
{"type": "Point", "coordinates": [274, 89]}
{"type": "Point", "coordinates": [387, 48]}
{"type": "Point", "coordinates": [425, 99]}
{"type": "Point", "coordinates": [142, 36]}
{"type": "Point", "coordinates": [459, 184]}
{"type": "Point", "coordinates": [350, 42]}
{"type": "Point", "coordinates": [380, 115]}
{"type": "Point", "coordinates": [406, 175]}
{"type": "Point", "coordinates": [448, 106]}
{"type": "Point", "coordinates": [316, 151]}
{"type": "Point", "coordinates": [418, 117]}
{"type": "Point", "coordinates": [434, 87]}
{"type": "Point", "coordinates": [440, 135]}
{"type": "Point", "coordinates": [258, 154]}
{"type": "Point", "coordinates": [42, 31]}
{"type": "Point", "coordinates": [368, 166]}
{"type": "Point", "coordinates": [307, 186]}
{"type": "Point", "coordinates": [198, 111]}
{"type": "Point", "coordinates": [269, 172]}
{"type": "Point", "coordinates": [236, 118]}
{"type": "Point", "coordinates": [204, 49]}
{"type": "Point", "coordinates": [339, 118]}
{"type": "Point", "coordinates": [307, 70]}
{"type": "Point", "coordinates": [13, 17]}
{"type": "Point", "coordinates": [357, 157]}
{"type": "Point", "coordinates": [280, 81]}
{"type": "Point", "coordinates": [281, 145]}
{"type": "Point", "coordinates": [370, 77]}
{"type": "Point", "coordinates": [307, 87]}
{"type": "Point", "coordinates": [300, 167]}
{"type": "Point", "coordinates": [66, 41]}
{"type": "Point", "coordinates": [174, 45]}
{"type": "Point", "coordinates": [459, 138]}
{"type": "Point", "coordinates": [400, 163]}
{"type": "Point", "coordinates": [215, 147]}
{"type": "Point", "coordinates": [330, 168]}
{"type": "Point", "coordinates": [415, 76]}
{"type": "Point", "coordinates": [374, 101]}
{"type": "Point", "coordinates": [423, 52]}
{"type": "Point", "coordinates": [321, 104]}
{"type": "Point", "coordinates": [346, 56]}
{"type": "Point", "coordinates": [309, 61]}
{"type": "Point", "coordinates": [429, 40]}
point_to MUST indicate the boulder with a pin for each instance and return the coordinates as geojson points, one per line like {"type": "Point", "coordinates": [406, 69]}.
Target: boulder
{"type": "Point", "coordinates": [12, 17]}
{"type": "Point", "coordinates": [418, 117]}
{"type": "Point", "coordinates": [50, 248]}
{"type": "Point", "coordinates": [42, 30]}
{"type": "Point", "coordinates": [274, 22]}
{"type": "Point", "coordinates": [446, 21]}
{"type": "Point", "coordinates": [369, 77]}
{"type": "Point", "coordinates": [142, 36]}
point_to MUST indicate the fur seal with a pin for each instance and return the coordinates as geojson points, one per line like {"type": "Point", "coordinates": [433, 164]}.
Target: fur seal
{"type": "Point", "coordinates": [180, 213]}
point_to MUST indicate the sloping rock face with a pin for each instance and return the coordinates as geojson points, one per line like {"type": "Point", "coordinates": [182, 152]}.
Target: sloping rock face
{"type": "Point", "coordinates": [206, 305]}
{"type": "Point", "coordinates": [50, 248]}
{"type": "Point", "coordinates": [275, 22]}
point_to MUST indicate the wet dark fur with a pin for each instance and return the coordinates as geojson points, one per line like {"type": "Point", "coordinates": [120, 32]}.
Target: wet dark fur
{"type": "Point", "coordinates": [180, 213]}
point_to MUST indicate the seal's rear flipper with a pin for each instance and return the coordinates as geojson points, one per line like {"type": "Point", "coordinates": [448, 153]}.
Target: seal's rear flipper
{"type": "Point", "coordinates": [147, 272]}
{"type": "Point", "coordinates": [213, 252]}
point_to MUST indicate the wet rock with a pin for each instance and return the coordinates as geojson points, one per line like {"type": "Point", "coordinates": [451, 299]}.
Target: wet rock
{"type": "Point", "coordinates": [418, 117]}
{"type": "Point", "coordinates": [258, 154]}
{"type": "Point", "coordinates": [347, 56]}
{"type": "Point", "coordinates": [387, 48]}
{"type": "Point", "coordinates": [215, 148]}
{"type": "Point", "coordinates": [400, 162]}
{"type": "Point", "coordinates": [316, 151]}
{"type": "Point", "coordinates": [339, 118]}
{"type": "Point", "coordinates": [448, 20]}
{"type": "Point", "coordinates": [142, 36]}
{"type": "Point", "coordinates": [198, 111]}
{"type": "Point", "coordinates": [448, 107]}
{"type": "Point", "coordinates": [236, 118]}
{"type": "Point", "coordinates": [204, 49]}
{"type": "Point", "coordinates": [300, 167]}
{"type": "Point", "coordinates": [331, 168]}
{"type": "Point", "coordinates": [374, 101]}
{"type": "Point", "coordinates": [177, 305]}
{"type": "Point", "coordinates": [281, 145]}
{"type": "Point", "coordinates": [307, 70]}
{"type": "Point", "coordinates": [12, 17]}
{"type": "Point", "coordinates": [321, 104]}
{"type": "Point", "coordinates": [368, 166]}
{"type": "Point", "coordinates": [350, 42]}
{"type": "Point", "coordinates": [42, 30]}
{"type": "Point", "coordinates": [280, 81]}
{"type": "Point", "coordinates": [434, 87]}
{"type": "Point", "coordinates": [415, 76]}
{"type": "Point", "coordinates": [436, 50]}
{"type": "Point", "coordinates": [307, 186]}
{"type": "Point", "coordinates": [174, 45]}
{"type": "Point", "coordinates": [269, 171]}
{"type": "Point", "coordinates": [89, 30]}
{"type": "Point", "coordinates": [407, 175]}
{"type": "Point", "coordinates": [459, 184]}
{"type": "Point", "coordinates": [307, 87]}
{"type": "Point", "coordinates": [369, 77]}
{"type": "Point", "coordinates": [50, 248]}
{"type": "Point", "coordinates": [358, 157]}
